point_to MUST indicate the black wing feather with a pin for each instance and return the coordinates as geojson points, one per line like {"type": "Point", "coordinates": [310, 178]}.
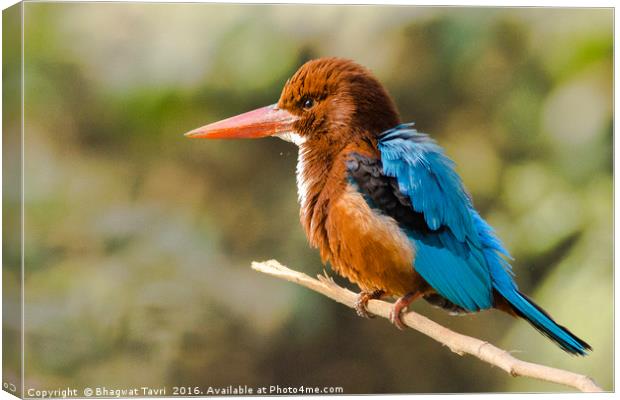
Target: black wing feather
{"type": "Point", "coordinates": [382, 193]}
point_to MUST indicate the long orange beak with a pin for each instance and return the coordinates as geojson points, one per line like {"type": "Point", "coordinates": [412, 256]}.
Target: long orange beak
{"type": "Point", "coordinates": [265, 121]}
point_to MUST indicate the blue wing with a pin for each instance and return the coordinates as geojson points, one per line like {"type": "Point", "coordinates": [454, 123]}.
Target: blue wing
{"type": "Point", "coordinates": [452, 255]}
{"type": "Point", "coordinates": [456, 251]}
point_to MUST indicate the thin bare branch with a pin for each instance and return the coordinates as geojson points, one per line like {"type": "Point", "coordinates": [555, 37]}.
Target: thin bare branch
{"type": "Point", "coordinates": [458, 343]}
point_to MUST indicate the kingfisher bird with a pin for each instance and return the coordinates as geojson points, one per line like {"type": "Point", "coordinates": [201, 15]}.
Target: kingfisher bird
{"type": "Point", "coordinates": [382, 202]}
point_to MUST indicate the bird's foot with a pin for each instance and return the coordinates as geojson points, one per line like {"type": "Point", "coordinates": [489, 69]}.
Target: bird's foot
{"type": "Point", "coordinates": [361, 304]}
{"type": "Point", "coordinates": [399, 306]}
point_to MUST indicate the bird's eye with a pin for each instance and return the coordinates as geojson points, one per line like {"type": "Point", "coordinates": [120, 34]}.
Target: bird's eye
{"type": "Point", "coordinates": [308, 103]}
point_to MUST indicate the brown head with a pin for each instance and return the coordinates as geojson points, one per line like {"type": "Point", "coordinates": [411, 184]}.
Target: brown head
{"type": "Point", "coordinates": [328, 100]}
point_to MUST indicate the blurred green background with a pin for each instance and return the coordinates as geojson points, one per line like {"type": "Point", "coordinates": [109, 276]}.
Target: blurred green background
{"type": "Point", "coordinates": [139, 241]}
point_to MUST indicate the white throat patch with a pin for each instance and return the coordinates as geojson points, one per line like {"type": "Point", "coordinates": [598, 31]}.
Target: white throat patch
{"type": "Point", "coordinates": [302, 182]}
{"type": "Point", "coordinates": [292, 137]}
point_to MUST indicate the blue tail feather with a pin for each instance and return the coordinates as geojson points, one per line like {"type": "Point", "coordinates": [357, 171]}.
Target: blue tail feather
{"type": "Point", "coordinates": [539, 319]}
{"type": "Point", "coordinates": [501, 276]}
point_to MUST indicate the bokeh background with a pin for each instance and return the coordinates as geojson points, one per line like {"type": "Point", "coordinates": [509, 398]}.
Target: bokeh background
{"type": "Point", "coordinates": [139, 241]}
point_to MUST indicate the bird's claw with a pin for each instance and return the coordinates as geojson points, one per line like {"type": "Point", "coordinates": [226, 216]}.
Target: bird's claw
{"type": "Point", "coordinates": [396, 319]}
{"type": "Point", "coordinates": [361, 304]}
{"type": "Point", "coordinates": [397, 309]}
{"type": "Point", "coordinates": [361, 310]}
